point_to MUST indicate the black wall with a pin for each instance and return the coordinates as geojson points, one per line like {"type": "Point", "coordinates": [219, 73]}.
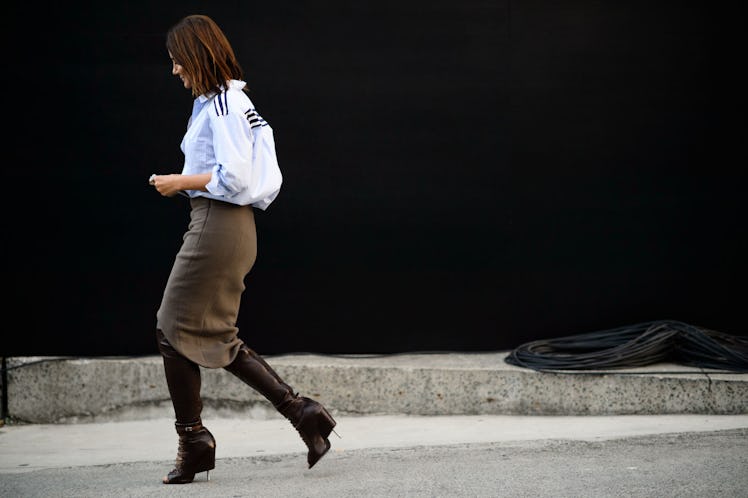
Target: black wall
{"type": "Point", "coordinates": [458, 175]}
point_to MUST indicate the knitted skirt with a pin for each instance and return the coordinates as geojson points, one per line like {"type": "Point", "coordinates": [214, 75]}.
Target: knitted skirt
{"type": "Point", "coordinates": [200, 303]}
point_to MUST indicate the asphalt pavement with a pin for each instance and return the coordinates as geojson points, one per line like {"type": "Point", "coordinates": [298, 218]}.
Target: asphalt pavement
{"type": "Point", "coordinates": [392, 455]}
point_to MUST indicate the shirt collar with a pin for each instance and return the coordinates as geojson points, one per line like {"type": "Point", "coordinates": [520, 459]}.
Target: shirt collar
{"type": "Point", "coordinates": [232, 84]}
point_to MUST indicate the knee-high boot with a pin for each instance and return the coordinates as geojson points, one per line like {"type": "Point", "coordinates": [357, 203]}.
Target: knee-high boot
{"type": "Point", "coordinates": [309, 417]}
{"type": "Point", "coordinates": [197, 446]}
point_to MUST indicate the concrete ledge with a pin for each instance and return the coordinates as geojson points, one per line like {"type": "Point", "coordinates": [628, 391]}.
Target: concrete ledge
{"type": "Point", "coordinates": [66, 390]}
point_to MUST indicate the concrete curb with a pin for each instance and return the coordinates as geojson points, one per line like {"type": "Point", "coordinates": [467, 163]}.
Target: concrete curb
{"type": "Point", "coordinates": [68, 390]}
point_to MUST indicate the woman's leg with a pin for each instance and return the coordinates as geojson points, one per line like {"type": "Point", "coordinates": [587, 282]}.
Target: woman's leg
{"type": "Point", "coordinates": [310, 418]}
{"type": "Point", "coordinates": [183, 380]}
{"type": "Point", "coordinates": [197, 447]}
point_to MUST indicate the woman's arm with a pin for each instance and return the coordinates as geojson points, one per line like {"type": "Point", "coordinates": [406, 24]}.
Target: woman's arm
{"type": "Point", "coordinates": [170, 185]}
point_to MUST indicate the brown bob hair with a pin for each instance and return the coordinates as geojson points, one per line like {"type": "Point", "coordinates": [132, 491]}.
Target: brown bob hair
{"type": "Point", "coordinates": [198, 45]}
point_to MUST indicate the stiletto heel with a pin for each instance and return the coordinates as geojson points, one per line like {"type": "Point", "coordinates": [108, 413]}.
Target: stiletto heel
{"type": "Point", "coordinates": [196, 453]}
{"type": "Point", "coordinates": [327, 424]}
{"type": "Point", "coordinates": [331, 422]}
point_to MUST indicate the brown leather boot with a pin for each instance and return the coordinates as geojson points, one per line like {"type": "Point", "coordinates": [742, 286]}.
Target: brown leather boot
{"type": "Point", "coordinates": [196, 453]}
{"type": "Point", "coordinates": [197, 446]}
{"type": "Point", "coordinates": [183, 380]}
{"type": "Point", "coordinates": [312, 421]}
{"type": "Point", "coordinates": [310, 418]}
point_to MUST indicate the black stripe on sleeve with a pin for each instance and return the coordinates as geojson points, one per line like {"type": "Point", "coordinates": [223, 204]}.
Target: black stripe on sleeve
{"type": "Point", "coordinates": [221, 104]}
{"type": "Point", "coordinates": [254, 119]}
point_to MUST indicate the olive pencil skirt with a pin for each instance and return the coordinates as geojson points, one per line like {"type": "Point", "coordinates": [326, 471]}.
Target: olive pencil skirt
{"type": "Point", "coordinates": [200, 303]}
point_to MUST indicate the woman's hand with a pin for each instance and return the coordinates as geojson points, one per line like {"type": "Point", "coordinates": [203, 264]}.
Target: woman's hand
{"type": "Point", "coordinates": [167, 185]}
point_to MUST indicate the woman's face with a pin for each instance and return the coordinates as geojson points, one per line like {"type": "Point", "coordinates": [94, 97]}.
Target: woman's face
{"type": "Point", "coordinates": [178, 70]}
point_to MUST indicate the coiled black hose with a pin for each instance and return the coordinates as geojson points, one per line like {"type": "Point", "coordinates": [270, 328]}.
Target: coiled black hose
{"type": "Point", "coordinates": [634, 346]}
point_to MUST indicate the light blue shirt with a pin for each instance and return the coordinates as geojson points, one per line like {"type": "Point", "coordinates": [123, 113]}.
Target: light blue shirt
{"type": "Point", "coordinates": [219, 141]}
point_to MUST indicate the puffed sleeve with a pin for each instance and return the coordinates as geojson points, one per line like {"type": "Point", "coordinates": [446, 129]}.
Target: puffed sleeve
{"type": "Point", "coordinates": [232, 146]}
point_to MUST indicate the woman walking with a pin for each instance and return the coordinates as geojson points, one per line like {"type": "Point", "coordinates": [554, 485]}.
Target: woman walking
{"type": "Point", "coordinates": [196, 322]}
